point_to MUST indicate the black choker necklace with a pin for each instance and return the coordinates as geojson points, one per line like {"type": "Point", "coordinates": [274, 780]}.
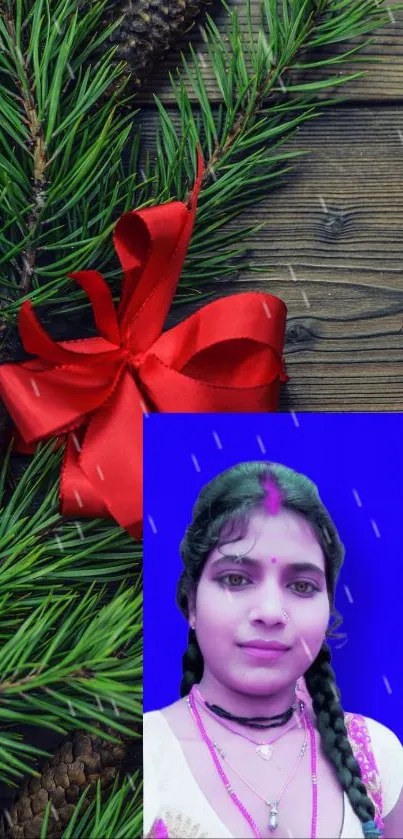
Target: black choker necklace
{"type": "Point", "coordinates": [255, 722]}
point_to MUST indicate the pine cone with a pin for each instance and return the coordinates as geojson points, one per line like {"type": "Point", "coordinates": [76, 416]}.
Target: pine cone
{"type": "Point", "coordinates": [82, 759]}
{"type": "Point", "coordinates": [149, 29]}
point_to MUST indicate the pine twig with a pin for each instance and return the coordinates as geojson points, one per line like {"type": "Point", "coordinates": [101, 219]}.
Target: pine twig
{"type": "Point", "coordinates": [119, 814]}
{"type": "Point", "coordinates": [70, 617]}
{"type": "Point", "coordinates": [262, 109]}
{"type": "Point", "coordinates": [36, 143]}
{"type": "Point", "coordinates": [61, 144]}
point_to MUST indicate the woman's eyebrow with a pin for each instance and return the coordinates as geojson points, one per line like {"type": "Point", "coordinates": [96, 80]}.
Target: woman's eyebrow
{"type": "Point", "coordinates": [251, 562]}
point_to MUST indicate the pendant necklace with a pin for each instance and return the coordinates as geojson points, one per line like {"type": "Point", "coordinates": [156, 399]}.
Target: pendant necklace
{"type": "Point", "coordinates": [272, 805]}
{"type": "Point", "coordinates": [273, 822]}
{"type": "Point", "coordinates": [263, 749]}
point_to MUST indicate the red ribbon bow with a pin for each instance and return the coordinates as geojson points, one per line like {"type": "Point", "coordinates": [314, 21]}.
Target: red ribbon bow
{"type": "Point", "coordinates": [225, 357]}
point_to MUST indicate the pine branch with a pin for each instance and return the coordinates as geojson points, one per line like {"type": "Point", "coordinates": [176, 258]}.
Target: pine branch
{"type": "Point", "coordinates": [70, 618]}
{"type": "Point", "coordinates": [60, 150]}
{"type": "Point", "coordinates": [262, 109]}
{"type": "Point", "coordinates": [38, 547]}
{"type": "Point", "coordinates": [117, 817]}
{"type": "Point", "coordinates": [36, 142]}
{"type": "Point", "coordinates": [74, 660]}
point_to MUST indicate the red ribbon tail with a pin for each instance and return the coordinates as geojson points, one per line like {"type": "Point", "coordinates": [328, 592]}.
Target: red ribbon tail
{"type": "Point", "coordinates": [77, 495]}
{"type": "Point", "coordinates": [105, 476]}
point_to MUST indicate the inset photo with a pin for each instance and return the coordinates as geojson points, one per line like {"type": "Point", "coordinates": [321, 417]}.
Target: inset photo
{"type": "Point", "coordinates": [273, 577]}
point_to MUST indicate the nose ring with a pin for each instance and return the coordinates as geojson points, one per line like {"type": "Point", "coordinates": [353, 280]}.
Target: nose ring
{"type": "Point", "coordinates": [286, 616]}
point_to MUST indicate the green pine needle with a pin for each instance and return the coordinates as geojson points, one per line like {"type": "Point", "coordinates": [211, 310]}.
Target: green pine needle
{"type": "Point", "coordinates": [70, 618]}
{"type": "Point", "coordinates": [64, 188]}
{"type": "Point", "coordinates": [116, 814]}
{"type": "Point", "coordinates": [262, 109]}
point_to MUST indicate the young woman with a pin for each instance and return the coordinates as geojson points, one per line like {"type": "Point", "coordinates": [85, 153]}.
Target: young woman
{"type": "Point", "coordinates": [245, 751]}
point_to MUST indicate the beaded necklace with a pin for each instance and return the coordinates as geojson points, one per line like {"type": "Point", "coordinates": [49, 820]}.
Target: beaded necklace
{"type": "Point", "coordinates": [238, 803]}
{"type": "Point", "coordinates": [272, 805]}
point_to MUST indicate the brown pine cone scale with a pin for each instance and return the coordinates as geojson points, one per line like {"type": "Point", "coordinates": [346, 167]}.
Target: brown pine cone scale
{"type": "Point", "coordinates": [149, 29]}
{"type": "Point", "coordinates": [81, 760]}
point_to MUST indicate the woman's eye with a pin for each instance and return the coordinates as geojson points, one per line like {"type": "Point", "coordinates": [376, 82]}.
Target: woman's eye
{"type": "Point", "coordinates": [303, 587]}
{"type": "Point", "coordinates": [233, 580]}
{"type": "Point", "coordinates": [305, 583]}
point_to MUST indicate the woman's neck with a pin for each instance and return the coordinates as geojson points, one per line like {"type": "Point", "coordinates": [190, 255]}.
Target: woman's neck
{"type": "Point", "coordinates": [246, 704]}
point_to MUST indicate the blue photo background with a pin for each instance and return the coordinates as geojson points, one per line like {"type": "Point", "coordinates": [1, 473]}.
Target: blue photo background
{"type": "Point", "coordinates": [357, 462]}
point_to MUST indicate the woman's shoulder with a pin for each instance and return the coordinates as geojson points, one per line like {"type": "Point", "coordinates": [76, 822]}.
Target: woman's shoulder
{"type": "Point", "coordinates": [383, 752]}
{"type": "Point", "coordinates": [387, 746]}
{"type": "Point", "coordinates": [381, 736]}
{"type": "Point", "coordinates": [154, 725]}
{"type": "Point", "coordinates": [156, 740]}
{"type": "Point", "coordinates": [175, 716]}
{"type": "Point", "coordinates": [151, 718]}
{"type": "Point", "coordinates": [162, 734]}
{"type": "Point", "coordinates": [383, 739]}
{"type": "Point", "coordinates": [166, 720]}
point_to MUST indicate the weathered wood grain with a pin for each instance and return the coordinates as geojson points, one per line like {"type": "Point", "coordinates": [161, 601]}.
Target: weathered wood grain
{"type": "Point", "coordinates": [383, 82]}
{"type": "Point", "coordinates": [333, 241]}
{"type": "Point", "coordinates": [333, 245]}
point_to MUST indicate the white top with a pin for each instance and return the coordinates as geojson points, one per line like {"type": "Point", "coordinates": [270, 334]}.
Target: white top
{"type": "Point", "coordinates": [170, 788]}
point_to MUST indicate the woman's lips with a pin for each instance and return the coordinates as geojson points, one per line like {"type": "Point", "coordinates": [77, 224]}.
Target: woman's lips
{"type": "Point", "coordinates": [264, 654]}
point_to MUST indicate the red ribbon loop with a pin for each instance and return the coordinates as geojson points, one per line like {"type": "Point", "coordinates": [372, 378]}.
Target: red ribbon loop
{"type": "Point", "coordinates": [225, 357]}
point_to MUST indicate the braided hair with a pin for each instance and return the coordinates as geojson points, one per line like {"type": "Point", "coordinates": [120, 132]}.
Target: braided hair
{"type": "Point", "coordinates": [221, 515]}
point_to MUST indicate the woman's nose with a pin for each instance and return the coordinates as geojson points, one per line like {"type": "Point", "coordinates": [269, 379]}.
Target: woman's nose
{"type": "Point", "coordinates": [268, 606]}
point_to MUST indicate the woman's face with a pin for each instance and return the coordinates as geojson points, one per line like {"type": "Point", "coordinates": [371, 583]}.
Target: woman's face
{"type": "Point", "coordinates": [242, 601]}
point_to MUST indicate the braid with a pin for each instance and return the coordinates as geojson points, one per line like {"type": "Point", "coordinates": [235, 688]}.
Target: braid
{"type": "Point", "coordinates": [321, 685]}
{"type": "Point", "coordinates": [192, 665]}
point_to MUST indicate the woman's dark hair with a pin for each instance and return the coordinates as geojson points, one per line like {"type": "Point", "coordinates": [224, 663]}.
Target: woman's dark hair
{"type": "Point", "coordinates": [221, 515]}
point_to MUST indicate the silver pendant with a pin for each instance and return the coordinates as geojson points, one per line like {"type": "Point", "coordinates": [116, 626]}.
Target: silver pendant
{"type": "Point", "coordinates": [273, 823]}
{"type": "Point", "coordinates": [265, 751]}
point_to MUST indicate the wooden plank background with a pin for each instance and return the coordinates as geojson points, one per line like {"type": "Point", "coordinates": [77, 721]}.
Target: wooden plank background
{"type": "Point", "coordinates": [334, 235]}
